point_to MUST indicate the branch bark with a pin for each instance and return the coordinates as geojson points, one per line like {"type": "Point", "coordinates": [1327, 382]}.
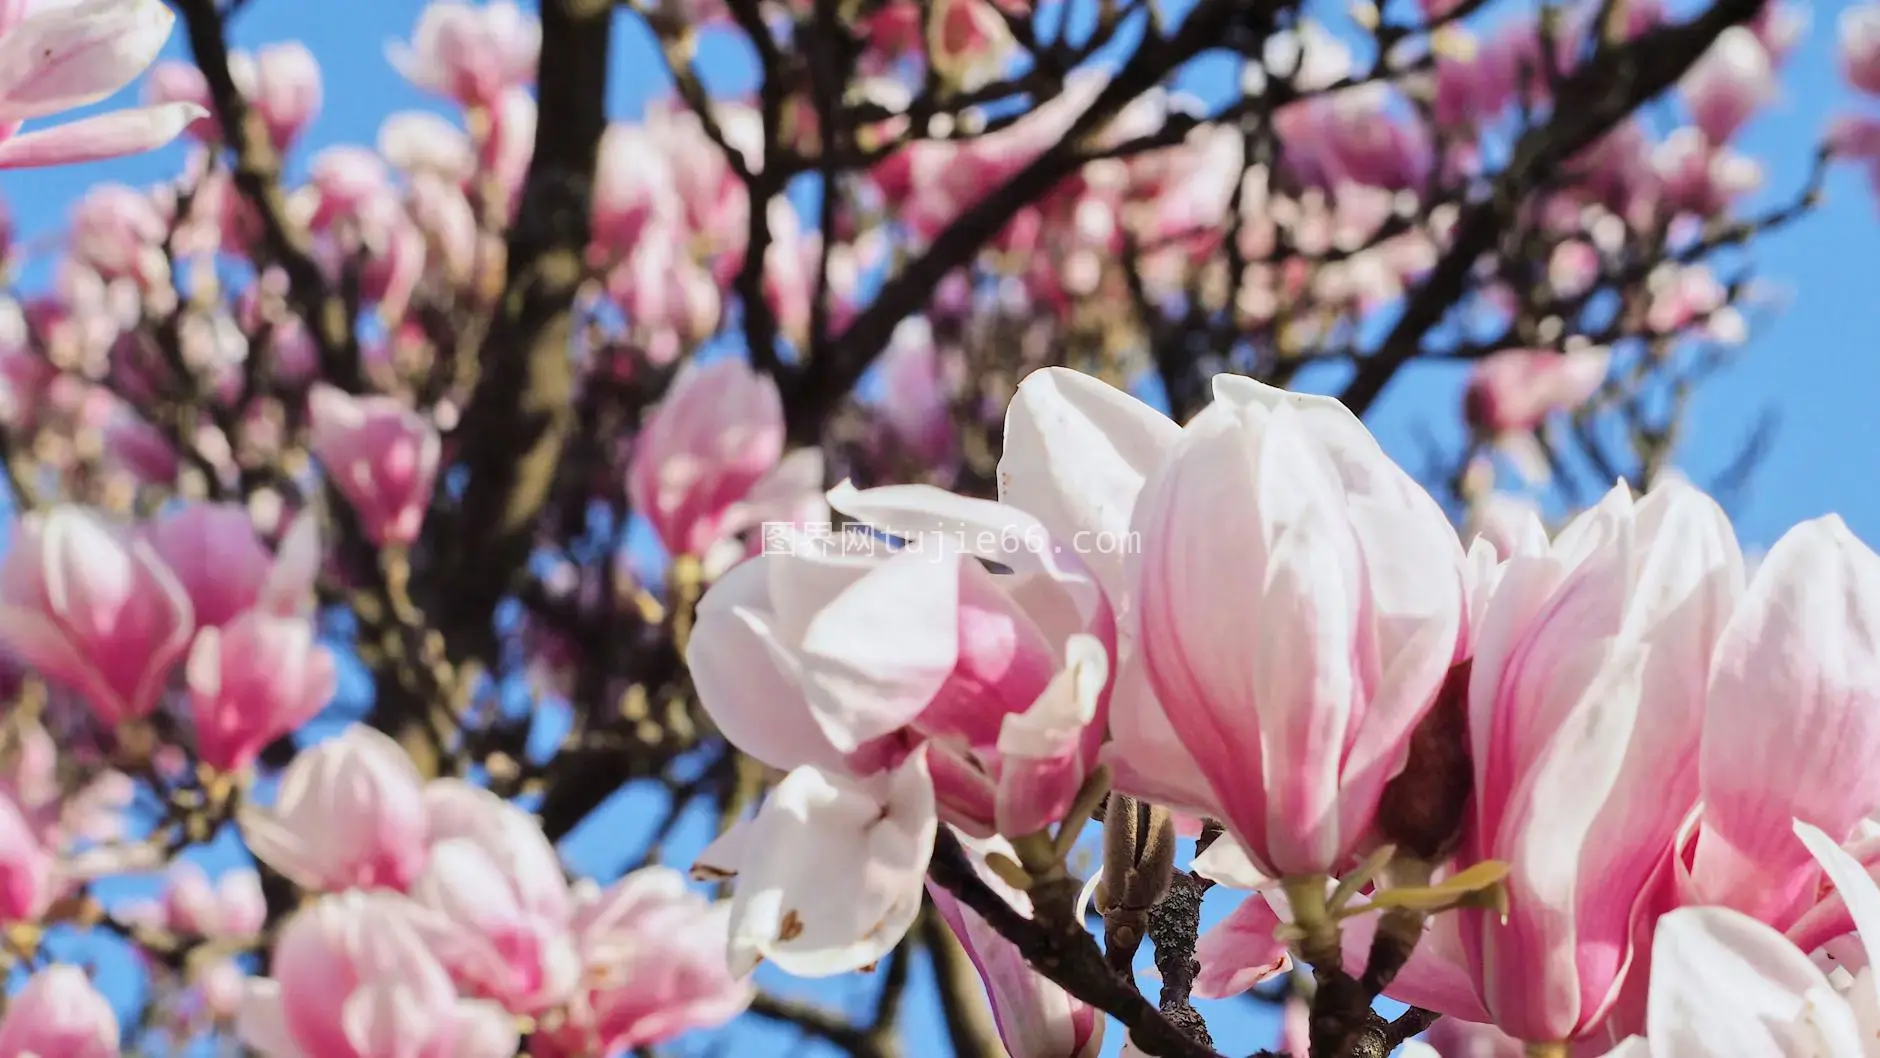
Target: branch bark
{"type": "Point", "coordinates": [520, 415]}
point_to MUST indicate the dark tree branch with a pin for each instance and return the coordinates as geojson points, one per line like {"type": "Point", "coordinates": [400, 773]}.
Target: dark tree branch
{"type": "Point", "coordinates": [519, 417]}
{"type": "Point", "coordinates": [1068, 955]}
{"type": "Point", "coordinates": [258, 176]}
{"type": "Point", "coordinates": [1175, 926]}
{"type": "Point", "coordinates": [1591, 101]}
{"type": "Point", "coordinates": [826, 1025]}
{"type": "Point", "coordinates": [824, 382]}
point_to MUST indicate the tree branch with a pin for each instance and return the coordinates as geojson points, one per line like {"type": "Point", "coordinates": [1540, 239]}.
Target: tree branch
{"type": "Point", "coordinates": [1175, 926]}
{"type": "Point", "coordinates": [825, 1025]}
{"type": "Point", "coordinates": [258, 176]}
{"type": "Point", "coordinates": [826, 381]}
{"type": "Point", "coordinates": [1068, 956]}
{"type": "Point", "coordinates": [519, 418]}
{"type": "Point", "coordinates": [1591, 101]}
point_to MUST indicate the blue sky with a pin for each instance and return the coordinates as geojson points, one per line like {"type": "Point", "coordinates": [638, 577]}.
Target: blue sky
{"type": "Point", "coordinates": [1813, 357]}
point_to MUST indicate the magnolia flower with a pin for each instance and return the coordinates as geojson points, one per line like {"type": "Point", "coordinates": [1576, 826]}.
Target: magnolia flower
{"type": "Point", "coordinates": [712, 439]}
{"type": "Point", "coordinates": [1354, 578]}
{"type": "Point", "coordinates": [828, 874]}
{"type": "Point", "coordinates": [471, 53]}
{"type": "Point", "coordinates": [61, 57]}
{"type": "Point", "coordinates": [1585, 708]}
{"type": "Point", "coordinates": [214, 552]}
{"type": "Point", "coordinates": [29, 875]}
{"type": "Point", "coordinates": [1794, 691]}
{"type": "Point", "coordinates": [1725, 985]}
{"type": "Point", "coordinates": [497, 907]}
{"type": "Point", "coordinates": [59, 1012]}
{"type": "Point", "coordinates": [255, 679]}
{"type": "Point", "coordinates": [1732, 80]}
{"type": "Point", "coordinates": [381, 455]}
{"type": "Point", "coordinates": [232, 907]}
{"type": "Point", "coordinates": [354, 979]}
{"type": "Point", "coordinates": [280, 82]}
{"type": "Point", "coordinates": [1860, 46]}
{"type": "Point", "coordinates": [653, 966]}
{"type": "Point", "coordinates": [1005, 677]}
{"type": "Point", "coordinates": [1514, 390]}
{"type": "Point", "coordinates": [88, 605]}
{"type": "Point", "coordinates": [349, 812]}
{"type": "Point", "coordinates": [633, 187]}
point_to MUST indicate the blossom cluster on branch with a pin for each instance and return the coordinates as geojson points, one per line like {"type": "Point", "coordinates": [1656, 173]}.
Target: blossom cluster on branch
{"type": "Point", "coordinates": [896, 467]}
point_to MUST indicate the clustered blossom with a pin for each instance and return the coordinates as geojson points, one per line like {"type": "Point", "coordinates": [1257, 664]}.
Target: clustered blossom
{"type": "Point", "coordinates": [1298, 607]}
{"type": "Point", "coordinates": [1554, 748]}
{"type": "Point", "coordinates": [94, 605]}
{"type": "Point", "coordinates": [444, 912]}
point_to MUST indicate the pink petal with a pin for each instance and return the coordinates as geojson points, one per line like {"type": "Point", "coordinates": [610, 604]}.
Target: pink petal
{"type": "Point", "coordinates": [68, 56]}
{"type": "Point", "coordinates": [1241, 950]}
{"type": "Point", "coordinates": [112, 135]}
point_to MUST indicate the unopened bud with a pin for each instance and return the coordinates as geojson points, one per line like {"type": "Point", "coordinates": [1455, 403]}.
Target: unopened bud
{"type": "Point", "coordinates": [1138, 863]}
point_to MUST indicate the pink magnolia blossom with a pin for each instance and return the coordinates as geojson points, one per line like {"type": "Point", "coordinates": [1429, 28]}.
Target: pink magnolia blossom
{"type": "Point", "coordinates": [1794, 691]}
{"type": "Point", "coordinates": [253, 680]}
{"type": "Point", "coordinates": [1245, 948]}
{"type": "Point", "coordinates": [1585, 708]}
{"type": "Point", "coordinates": [29, 876]}
{"type": "Point", "coordinates": [653, 966]}
{"type": "Point", "coordinates": [354, 979]}
{"type": "Point", "coordinates": [1036, 1018]}
{"type": "Point", "coordinates": [1006, 678]}
{"type": "Point", "coordinates": [1077, 452]}
{"type": "Point", "coordinates": [713, 438]}
{"type": "Point", "coordinates": [221, 563]}
{"type": "Point", "coordinates": [1455, 1038]}
{"type": "Point", "coordinates": [87, 604]}
{"type": "Point", "coordinates": [230, 908]}
{"type": "Point", "coordinates": [829, 873]}
{"type": "Point", "coordinates": [496, 906]}
{"type": "Point", "coordinates": [280, 82]}
{"type": "Point", "coordinates": [1514, 390]}
{"type": "Point", "coordinates": [633, 188]}
{"type": "Point", "coordinates": [117, 232]}
{"type": "Point", "coordinates": [1696, 177]}
{"type": "Point", "coordinates": [670, 300]}
{"type": "Point", "coordinates": [915, 401]}
{"type": "Point", "coordinates": [1860, 46]}
{"type": "Point", "coordinates": [350, 812]}
{"type": "Point", "coordinates": [716, 203]}
{"type": "Point", "coordinates": [1726, 985]}
{"type": "Point", "coordinates": [1732, 81]}
{"type": "Point", "coordinates": [418, 141]}
{"type": "Point", "coordinates": [61, 57]}
{"type": "Point", "coordinates": [381, 455]}
{"type": "Point", "coordinates": [59, 1012]}
{"type": "Point", "coordinates": [352, 185]}
{"type": "Point", "coordinates": [471, 53]}
{"type": "Point", "coordinates": [1355, 578]}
